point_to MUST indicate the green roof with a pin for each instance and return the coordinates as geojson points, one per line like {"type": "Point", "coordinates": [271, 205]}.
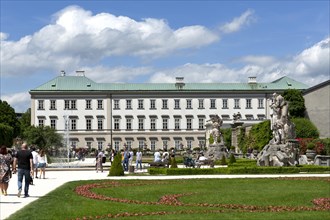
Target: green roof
{"type": "Point", "coordinates": [82, 83]}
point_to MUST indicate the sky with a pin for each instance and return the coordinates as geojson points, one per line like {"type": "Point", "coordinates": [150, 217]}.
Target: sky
{"type": "Point", "coordinates": [156, 41]}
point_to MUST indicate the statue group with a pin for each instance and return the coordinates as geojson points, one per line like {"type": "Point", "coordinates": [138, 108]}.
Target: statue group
{"type": "Point", "coordinates": [282, 150]}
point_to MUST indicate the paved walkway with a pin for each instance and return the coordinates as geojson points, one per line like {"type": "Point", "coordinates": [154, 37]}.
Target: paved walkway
{"type": "Point", "coordinates": [54, 178]}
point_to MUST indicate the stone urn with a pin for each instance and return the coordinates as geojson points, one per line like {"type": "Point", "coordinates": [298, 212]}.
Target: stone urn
{"type": "Point", "coordinates": [310, 154]}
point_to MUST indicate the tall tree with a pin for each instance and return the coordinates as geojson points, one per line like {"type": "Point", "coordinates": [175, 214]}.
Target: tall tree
{"type": "Point", "coordinates": [6, 135]}
{"type": "Point", "coordinates": [43, 137]}
{"type": "Point", "coordinates": [25, 122]}
{"type": "Point", "coordinates": [296, 102]}
{"type": "Point", "coordinates": [8, 117]}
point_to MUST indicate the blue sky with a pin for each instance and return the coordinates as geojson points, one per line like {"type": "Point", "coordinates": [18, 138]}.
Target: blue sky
{"type": "Point", "coordinates": [155, 41]}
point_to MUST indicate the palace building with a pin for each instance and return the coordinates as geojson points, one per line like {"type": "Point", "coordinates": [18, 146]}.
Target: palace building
{"type": "Point", "coordinates": [147, 115]}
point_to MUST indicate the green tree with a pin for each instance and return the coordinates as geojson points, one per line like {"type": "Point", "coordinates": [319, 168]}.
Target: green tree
{"type": "Point", "coordinates": [305, 128]}
{"type": "Point", "coordinates": [43, 137]}
{"type": "Point", "coordinates": [6, 135]}
{"type": "Point", "coordinates": [296, 102]}
{"type": "Point", "coordinates": [8, 117]}
{"type": "Point", "coordinates": [226, 133]}
{"type": "Point", "coordinates": [25, 122]}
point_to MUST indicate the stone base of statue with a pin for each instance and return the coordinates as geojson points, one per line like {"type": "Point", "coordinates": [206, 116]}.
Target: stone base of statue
{"type": "Point", "coordinates": [279, 154]}
{"type": "Point", "coordinates": [216, 151]}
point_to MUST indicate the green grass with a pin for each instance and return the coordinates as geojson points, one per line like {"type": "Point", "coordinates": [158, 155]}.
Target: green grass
{"type": "Point", "coordinates": [65, 203]}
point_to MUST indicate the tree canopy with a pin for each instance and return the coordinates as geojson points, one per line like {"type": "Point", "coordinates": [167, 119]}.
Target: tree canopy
{"type": "Point", "coordinates": [43, 137]}
{"type": "Point", "coordinates": [10, 125]}
{"type": "Point", "coordinates": [296, 102]}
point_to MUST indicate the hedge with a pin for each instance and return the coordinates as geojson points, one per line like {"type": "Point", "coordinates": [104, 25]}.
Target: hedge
{"type": "Point", "coordinates": [239, 170]}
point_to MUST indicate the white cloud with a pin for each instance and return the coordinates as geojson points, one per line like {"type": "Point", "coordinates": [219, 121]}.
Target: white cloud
{"type": "Point", "coordinates": [19, 101]}
{"type": "Point", "coordinates": [239, 22]}
{"type": "Point", "coordinates": [3, 36]}
{"type": "Point", "coordinates": [77, 37]}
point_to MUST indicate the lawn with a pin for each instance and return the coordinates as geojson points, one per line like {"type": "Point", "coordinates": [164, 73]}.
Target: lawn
{"type": "Point", "coordinates": [282, 198]}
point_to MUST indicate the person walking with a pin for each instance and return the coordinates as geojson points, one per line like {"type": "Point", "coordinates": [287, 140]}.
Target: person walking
{"type": "Point", "coordinates": [139, 159]}
{"type": "Point", "coordinates": [24, 161]}
{"type": "Point", "coordinates": [35, 161]}
{"type": "Point", "coordinates": [42, 163]}
{"type": "Point", "coordinates": [5, 171]}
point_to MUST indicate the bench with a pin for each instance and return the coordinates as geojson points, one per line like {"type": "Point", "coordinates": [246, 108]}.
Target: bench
{"type": "Point", "coordinates": [208, 162]}
{"type": "Point", "coordinates": [188, 162]}
{"type": "Point", "coordinates": [159, 164]}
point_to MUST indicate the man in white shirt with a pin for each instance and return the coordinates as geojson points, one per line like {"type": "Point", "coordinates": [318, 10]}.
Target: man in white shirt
{"type": "Point", "coordinates": [157, 157]}
{"type": "Point", "coordinates": [35, 161]}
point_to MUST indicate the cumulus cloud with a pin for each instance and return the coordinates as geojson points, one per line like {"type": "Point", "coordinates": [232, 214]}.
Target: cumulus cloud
{"type": "Point", "coordinates": [239, 22]}
{"type": "Point", "coordinates": [77, 37]}
{"type": "Point", "coordinates": [19, 101]}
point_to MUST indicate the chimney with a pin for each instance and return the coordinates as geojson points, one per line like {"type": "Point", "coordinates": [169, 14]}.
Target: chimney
{"type": "Point", "coordinates": [179, 82]}
{"type": "Point", "coordinates": [252, 80]}
{"type": "Point", "coordinates": [80, 73]}
{"type": "Point", "coordinates": [62, 73]}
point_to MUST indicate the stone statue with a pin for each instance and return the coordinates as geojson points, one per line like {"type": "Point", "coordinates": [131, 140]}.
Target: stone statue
{"type": "Point", "coordinates": [216, 124]}
{"type": "Point", "coordinates": [237, 116]}
{"type": "Point", "coordinates": [281, 126]}
{"type": "Point", "coordinates": [282, 150]}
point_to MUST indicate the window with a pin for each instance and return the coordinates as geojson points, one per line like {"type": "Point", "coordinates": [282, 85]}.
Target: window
{"type": "Point", "coordinates": [88, 124]}
{"type": "Point", "coordinates": [70, 104]}
{"type": "Point", "coordinates": [189, 123]}
{"type": "Point", "coordinates": [117, 145]}
{"type": "Point", "coordinates": [201, 123]}
{"type": "Point", "coordinates": [236, 103]}
{"type": "Point", "coordinates": [176, 123]}
{"type": "Point", "coordinates": [100, 145]}
{"type": "Point", "coordinates": [41, 122]}
{"type": "Point", "coordinates": [116, 104]}
{"type": "Point", "coordinates": [116, 123]}
{"type": "Point", "coordinates": [89, 144]}
{"type": "Point", "coordinates": [176, 103]}
{"type": "Point", "coordinates": [189, 144]}
{"type": "Point", "coordinates": [41, 105]}
{"type": "Point", "coordinates": [73, 124]}
{"type": "Point", "coordinates": [165, 142]}
{"type": "Point", "coordinates": [140, 104]}
{"type": "Point", "coordinates": [128, 104]}
{"type": "Point", "coordinates": [201, 143]}
{"type": "Point", "coordinates": [212, 104]}
{"type": "Point", "coordinates": [164, 103]}
{"type": "Point", "coordinates": [261, 117]}
{"type": "Point", "coordinates": [88, 104]}
{"type": "Point", "coordinates": [153, 123]}
{"type": "Point", "coordinates": [189, 104]}
{"type": "Point", "coordinates": [200, 103]}
{"type": "Point", "coordinates": [74, 144]}
{"type": "Point", "coordinates": [73, 104]}
{"type": "Point", "coordinates": [141, 123]}
{"type": "Point", "coordinates": [99, 124]}
{"type": "Point", "coordinates": [152, 104]}
{"type": "Point", "coordinates": [249, 117]}
{"type": "Point", "coordinates": [177, 144]}
{"type": "Point", "coordinates": [153, 145]}
{"type": "Point", "coordinates": [52, 104]}
{"type": "Point", "coordinates": [248, 103]}
{"type": "Point", "coordinates": [129, 144]}
{"type": "Point", "coordinates": [99, 104]}
{"type": "Point", "coordinates": [53, 123]}
{"type": "Point", "coordinates": [165, 123]}
{"type": "Point", "coordinates": [128, 124]}
{"type": "Point", "coordinates": [66, 104]}
{"type": "Point", "coordinates": [260, 103]}
{"type": "Point", "coordinates": [141, 144]}
{"type": "Point", "coordinates": [224, 103]}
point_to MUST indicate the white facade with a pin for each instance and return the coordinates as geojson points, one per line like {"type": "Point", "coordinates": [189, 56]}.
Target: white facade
{"type": "Point", "coordinates": [143, 118]}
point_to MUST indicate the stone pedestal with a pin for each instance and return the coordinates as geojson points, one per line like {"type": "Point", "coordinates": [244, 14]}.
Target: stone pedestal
{"type": "Point", "coordinates": [216, 151]}
{"type": "Point", "coordinates": [236, 130]}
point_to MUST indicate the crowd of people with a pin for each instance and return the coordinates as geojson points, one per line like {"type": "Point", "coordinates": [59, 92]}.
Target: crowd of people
{"type": "Point", "coordinates": [26, 163]}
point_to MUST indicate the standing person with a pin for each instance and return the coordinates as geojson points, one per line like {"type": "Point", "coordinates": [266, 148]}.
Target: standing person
{"type": "Point", "coordinates": [24, 161]}
{"type": "Point", "coordinates": [35, 161]}
{"type": "Point", "coordinates": [5, 171]}
{"type": "Point", "coordinates": [42, 162]}
{"type": "Point", "coordinates": [139, 159]}
{"type": "Point", "coordinates": [126, 158]}
{"type": "Point", "coordinates": [99, 162]}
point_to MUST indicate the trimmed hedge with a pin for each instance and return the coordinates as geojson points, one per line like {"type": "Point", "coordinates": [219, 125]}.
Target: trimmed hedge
{"type": "Point", "coordinates": [239, 170]}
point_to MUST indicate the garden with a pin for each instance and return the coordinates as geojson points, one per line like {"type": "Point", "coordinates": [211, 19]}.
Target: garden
{"type": "Point", "coordinates": [262, 198]}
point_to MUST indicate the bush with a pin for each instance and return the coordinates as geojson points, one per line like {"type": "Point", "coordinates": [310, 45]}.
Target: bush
{"type": "Point", "coordinates": [223, 160]}
{"type": "Point", "coordinates": [116, 166]}
{"type": "Point", "coordinates": [232, 159]}
{"type": "Point", "coordinates": [305, 128]}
